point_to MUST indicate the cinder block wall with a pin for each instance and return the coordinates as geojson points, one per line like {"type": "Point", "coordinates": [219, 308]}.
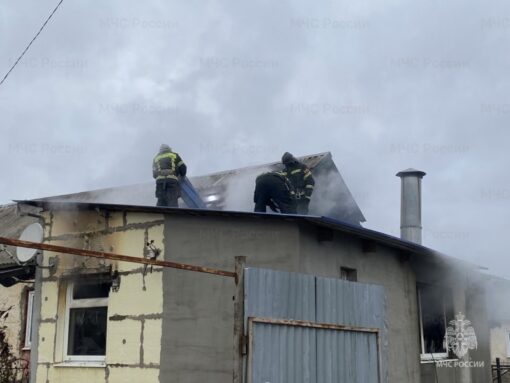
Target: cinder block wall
{"type": "Point", "coordinates": [134, 312]}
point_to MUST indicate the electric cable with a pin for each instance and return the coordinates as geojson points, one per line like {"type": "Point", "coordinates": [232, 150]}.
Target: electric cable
{"type": "Point", "coordinates": [30, 43]}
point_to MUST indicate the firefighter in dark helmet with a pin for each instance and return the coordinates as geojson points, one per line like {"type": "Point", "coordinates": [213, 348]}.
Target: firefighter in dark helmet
{"type": "Point", "coordinates": [301, 179]}
{"type": "Point", "coordinates": [274, 189]}
{"type": "Point", "coordinates": [167, 167]}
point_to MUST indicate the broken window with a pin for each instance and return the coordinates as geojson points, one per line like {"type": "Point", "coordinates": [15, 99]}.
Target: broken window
{"type": "Point", "coordinates": [435, 312]}
{"type": "Point", "coordinates": [86, 319]}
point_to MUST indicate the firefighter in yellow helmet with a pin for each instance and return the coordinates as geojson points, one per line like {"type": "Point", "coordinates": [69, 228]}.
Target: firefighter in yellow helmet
{"type": "Point", "coordinates": [301, 179]}
{"type": "Point", "coordinates": [167, 167]}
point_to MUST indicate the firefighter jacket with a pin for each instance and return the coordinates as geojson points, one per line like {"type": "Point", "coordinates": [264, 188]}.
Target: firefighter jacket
{"type": "Point", "coordinates": [274, 189]}
{"type": "Point", "coordinates": [301, 179]}
{"type": "Point", "coordinates": [168, 165]}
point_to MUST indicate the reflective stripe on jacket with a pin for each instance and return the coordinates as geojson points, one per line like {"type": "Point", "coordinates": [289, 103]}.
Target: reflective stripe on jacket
{"type": "Point", "coordinates": [302, 180]}
{"type": "Point", "coordinates": [168, 165]}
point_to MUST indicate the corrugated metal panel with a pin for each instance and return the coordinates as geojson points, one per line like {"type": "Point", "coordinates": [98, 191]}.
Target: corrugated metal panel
{"type": "Point", "coordinates": [287, 354]}
{"type": "Point", "coordinates": [278, 294]}
{"type": "Point", "coordinates": [291, 354]}
{"type": "Point", "coordinates": [346, 357]}
{"type": "Point", "coordinates": [350, 303]}
{"type": "Point", "coordinates": [354, 304]}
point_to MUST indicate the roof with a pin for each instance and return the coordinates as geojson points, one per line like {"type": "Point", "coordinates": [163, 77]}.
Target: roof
{"type": "Point", "coordinates": [11, 225]}
{"type": "Point", "coordinates": [233, 190]}
{"type": "Point", "coordinates": [319, 221]}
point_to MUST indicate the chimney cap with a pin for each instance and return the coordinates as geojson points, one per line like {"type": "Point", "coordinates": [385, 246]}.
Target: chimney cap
{"type": "Point", "coordinates": [411, 172]}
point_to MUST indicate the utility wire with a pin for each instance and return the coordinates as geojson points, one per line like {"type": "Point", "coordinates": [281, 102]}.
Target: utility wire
{"type": "Point", "coordinates": [29, 44]}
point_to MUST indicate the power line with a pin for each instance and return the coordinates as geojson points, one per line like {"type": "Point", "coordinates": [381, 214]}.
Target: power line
{"type": "Point", "coordinates": [29, 44]}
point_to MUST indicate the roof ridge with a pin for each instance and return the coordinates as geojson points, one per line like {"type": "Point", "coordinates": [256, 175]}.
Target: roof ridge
{"type": "Point", "coordinates": [225, 172]}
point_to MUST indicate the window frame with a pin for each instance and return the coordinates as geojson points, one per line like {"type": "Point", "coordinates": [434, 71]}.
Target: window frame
{"type": "Point", "coordinates": [72, 303]}
{"type": "Point", "coordinates": [28, 320]}
{"type": "Point", "coordinates": [427, 357]}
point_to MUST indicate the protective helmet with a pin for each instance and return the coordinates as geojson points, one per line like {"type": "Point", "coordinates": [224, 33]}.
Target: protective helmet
{"type": "Point", "coordinates": [288, 158]}
{"type": "Point", "coordinates": [165, 148]}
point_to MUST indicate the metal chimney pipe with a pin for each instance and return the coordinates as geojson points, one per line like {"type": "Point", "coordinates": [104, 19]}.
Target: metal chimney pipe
{"type": "Point", "coordinates": [410, 205]}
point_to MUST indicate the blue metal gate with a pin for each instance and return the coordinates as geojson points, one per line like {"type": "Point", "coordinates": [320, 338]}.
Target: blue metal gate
{"type": "Point", "coordinates": [306, 329]}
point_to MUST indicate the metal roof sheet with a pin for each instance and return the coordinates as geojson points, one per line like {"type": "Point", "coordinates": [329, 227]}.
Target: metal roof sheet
{"type": "Point", "coordinates": [332, 197]}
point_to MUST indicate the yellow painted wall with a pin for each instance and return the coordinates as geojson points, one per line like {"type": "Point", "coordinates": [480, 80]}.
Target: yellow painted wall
{"type": "Point", "coordinates": [135, 312]}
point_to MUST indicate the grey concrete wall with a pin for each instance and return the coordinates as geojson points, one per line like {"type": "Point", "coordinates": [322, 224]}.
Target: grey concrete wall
{"type": "Point", "coordinates": [197, 337]}
{"type": "Point", "coordinates": [198, 309]}
{"type": "Point", "coordinates": [380, 266]}
{"type": "Point", "coordinates": [477, 313]}
{"type": "Point", "coordinates": [432, 373]}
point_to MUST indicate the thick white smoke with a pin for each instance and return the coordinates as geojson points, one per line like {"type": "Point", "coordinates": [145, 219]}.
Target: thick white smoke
{"type": "Point", "coordinates": [239, 189]}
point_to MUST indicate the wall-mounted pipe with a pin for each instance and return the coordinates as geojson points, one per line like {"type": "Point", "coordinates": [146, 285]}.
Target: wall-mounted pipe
{"type": "Point", "coordinates": [115, 257]}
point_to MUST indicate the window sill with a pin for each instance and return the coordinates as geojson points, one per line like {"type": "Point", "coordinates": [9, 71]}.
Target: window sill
{"type": "Point", "coordinates": [80, 364]}
{"type": "Point", "coordinates": [431, 361]}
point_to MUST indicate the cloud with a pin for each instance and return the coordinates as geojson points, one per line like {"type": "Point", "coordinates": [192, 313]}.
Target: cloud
{"type": "Point", "coordinates": [382, 85]}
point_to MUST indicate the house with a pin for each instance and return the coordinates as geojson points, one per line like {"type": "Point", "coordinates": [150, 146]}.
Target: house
{"type": "Point", "coordinates": [15, 299]}
{"type": "Point", "coordinates": [386, 301]}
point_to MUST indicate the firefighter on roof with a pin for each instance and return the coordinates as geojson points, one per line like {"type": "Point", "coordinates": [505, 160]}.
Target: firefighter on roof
{"type": "Point", "coordinates": [301, 179]}
{"type": "Point", "coordinates": [274, 189]}
{"type": "Point", "coordinates": [167, 167]}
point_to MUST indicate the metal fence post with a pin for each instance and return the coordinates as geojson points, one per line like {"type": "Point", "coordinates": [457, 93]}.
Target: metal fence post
{"type": "Point", "coordinates": [239, 320]}
{"type": "Point", "coordinates": [498, 370]}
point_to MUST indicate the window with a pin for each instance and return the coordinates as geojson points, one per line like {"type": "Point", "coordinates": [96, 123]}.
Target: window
{"type": "Point", "coordinates": [348, 274]}
{"type": "Point", "coordinates": [434, 310]}
{"type": "Point", "coordinates": [28, 321]}
{"type": "Point", "coordinates": [85, 322]}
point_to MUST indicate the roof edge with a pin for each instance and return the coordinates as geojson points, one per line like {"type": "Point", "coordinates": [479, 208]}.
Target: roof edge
{"type": "Point", "coordinates": [359, 231]}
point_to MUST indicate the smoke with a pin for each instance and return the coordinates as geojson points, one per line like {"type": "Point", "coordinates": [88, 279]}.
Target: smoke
{"type": "Point", "coordinates": [332, 198]}
{"type": "Point", "coordinates": [138, 194]}
{"type": "Point", "coordinates": [323, 201]}
{"type": "Point", "coordinates": [240, 188]}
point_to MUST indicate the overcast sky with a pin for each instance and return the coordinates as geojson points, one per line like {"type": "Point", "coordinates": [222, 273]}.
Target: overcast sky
{"type": "Point", "coordinates": [383, 85]}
